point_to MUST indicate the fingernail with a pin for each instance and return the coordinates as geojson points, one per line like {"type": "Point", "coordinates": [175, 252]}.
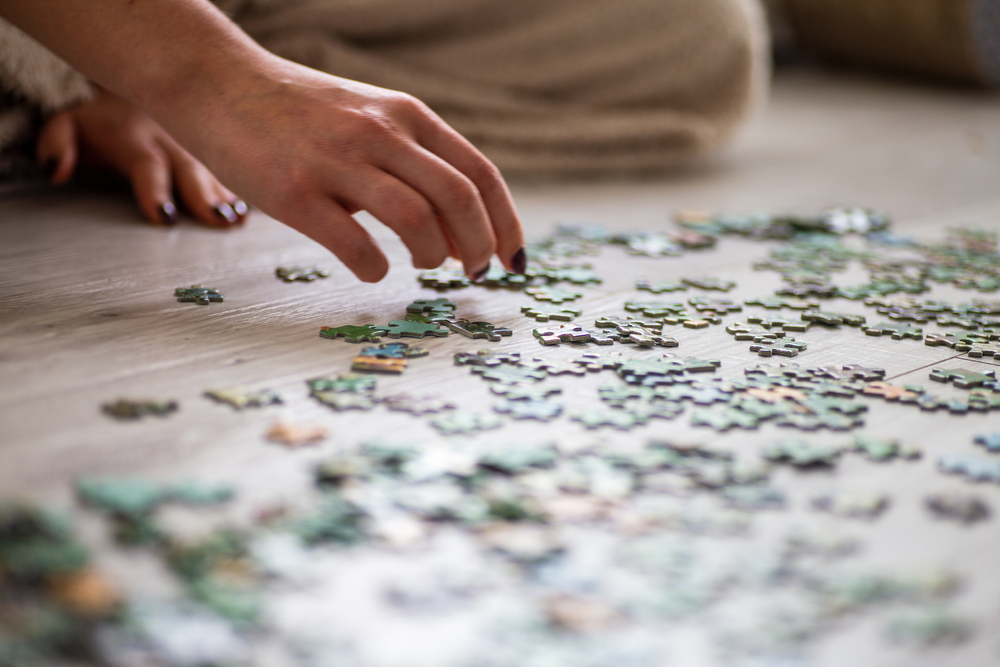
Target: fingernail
{"type": "Point", "coordinates": [49, 168]}
{"type": "Point", "coordinates": [168, 213]}
{"type": "Point", "coordinates": [240, 207]}
{"type": "Point", "coordinates": [519, 262]}
{"type": "Point", "coordinates": [226, 213]}
{"type": "Point", "coordinates": [480, 274]}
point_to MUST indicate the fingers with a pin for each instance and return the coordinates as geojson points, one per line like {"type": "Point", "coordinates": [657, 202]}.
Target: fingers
{"type": "Point", "coordinates": [328, 223]}
{"type": "Point", "coordinates": [202, 194]}
{"type": "Point", "coordinates": [149, 172]}
{"type": "Point", "coordinates": [404, 210]}
{"type": "Point", "coordinates": [56, 148]}
{"type": "Point", "coordinates": [442, 141]}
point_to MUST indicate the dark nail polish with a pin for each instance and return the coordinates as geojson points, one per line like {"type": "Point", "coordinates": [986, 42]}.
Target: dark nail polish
{"type": "Point", "coordinates": [226, 213]}
{"type": "Point", "coordinates": [240, 207]}
{"type": "Point", "coordinates": [519, 262]}
{"type": "Point", "coordinates": [168, 213]}
{"type": "Point", "coordinates": [49, 168]}
{"type": "Point", "coordinates": [479, 275]}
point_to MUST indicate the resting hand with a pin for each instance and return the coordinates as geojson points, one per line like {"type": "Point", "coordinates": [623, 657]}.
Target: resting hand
{"type": "Point", "coordinates": [109, 133]}
{"type": "Point", "coordinates": [310, 149]}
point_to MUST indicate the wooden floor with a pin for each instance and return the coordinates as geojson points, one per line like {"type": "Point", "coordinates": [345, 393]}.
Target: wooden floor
{"type": "Point", "coordinates": [87, 316]}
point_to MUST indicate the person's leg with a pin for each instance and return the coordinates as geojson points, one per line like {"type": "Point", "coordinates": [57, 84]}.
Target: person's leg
{"type": "Point", "coordinates": [564, 85]}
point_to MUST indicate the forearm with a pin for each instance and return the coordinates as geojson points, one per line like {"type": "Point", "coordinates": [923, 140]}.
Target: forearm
{"type": "Point", "coordinates": [155, 53]}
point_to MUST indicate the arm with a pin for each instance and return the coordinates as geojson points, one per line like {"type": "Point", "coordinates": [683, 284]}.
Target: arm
{"type": "Point", "coordinates": [305, 147]}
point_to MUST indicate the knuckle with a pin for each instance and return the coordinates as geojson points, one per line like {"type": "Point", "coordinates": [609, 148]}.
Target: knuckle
{"type": "Point", "coordinates": [485, 175]}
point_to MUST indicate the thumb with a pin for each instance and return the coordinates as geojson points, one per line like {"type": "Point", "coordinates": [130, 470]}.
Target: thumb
{"type": "Point", "coordinates": [56, 149]}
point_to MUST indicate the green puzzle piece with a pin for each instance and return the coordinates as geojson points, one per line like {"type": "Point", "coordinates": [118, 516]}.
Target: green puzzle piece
{"type": "Point", "coordinates": [198, 294]}
{"type": "Point", "coordinates": [352, 333]}
{"type": "Point", "coordinates": [398, 328]}
{"type": "Point", "coordinates": [491, 332]}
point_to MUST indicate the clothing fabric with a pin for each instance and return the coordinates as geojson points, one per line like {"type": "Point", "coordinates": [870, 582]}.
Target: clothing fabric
{"type": "Point", "coordinates": [553, 86]}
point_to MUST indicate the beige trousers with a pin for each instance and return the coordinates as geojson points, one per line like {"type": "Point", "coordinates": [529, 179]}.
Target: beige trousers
{"type": "Point", "coordinates": [544, 86]}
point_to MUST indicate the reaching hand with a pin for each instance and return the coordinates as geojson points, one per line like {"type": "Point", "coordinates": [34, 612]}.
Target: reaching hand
{"type": "Point", "coordinates": [109, 133]}
{"type": "Point", "coordinates": [310, 149]}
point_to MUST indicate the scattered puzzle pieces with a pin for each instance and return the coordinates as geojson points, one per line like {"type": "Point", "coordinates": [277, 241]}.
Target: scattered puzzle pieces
{"type": "Point", "coordinates": [709, 283]}
{"type": "Point", "coordinates": [198, 294]}
{"type": "Point", "coordinates": [785, 347]}
{"type": "Point", "coordinates": [882, 449]}
{"type": "Point", "coordinates": [417, 405]}
{"type": "Point", "coordinates": [487, 358]}
{"type": "Point", "coordinates": [852, 504]}
{"type": "Point", "coordinates": [444, 278]}
{"type": "Point", "coordinates": [833, 319]}
{"type": "Point", "coordinates": [509, 374]}
{"type": "Point", "coordinates": [529, 409]}
{"type": "Point", "coordinates": [980, 348]}
{"type": "Point", "coordinates": [965, 379]}
{"type": "Point", "coordinates": [615, 418]}
{"type": "Point", "coordinates": [352, 333]}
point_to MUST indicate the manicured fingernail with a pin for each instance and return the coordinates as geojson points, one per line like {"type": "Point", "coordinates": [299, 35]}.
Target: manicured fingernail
{"type": "Point", "coordinates": [226, 213]}
{"type": "Point", "coordinates": [240, 207]}
{"type": "Point", "coordinates": [49, 168]}
{"type": "Point", "coordinates": [519, 262]}
{"type": "Point", "coordinates": [480, 274]}
{"type": "Point", "coordinates": [168, 213]}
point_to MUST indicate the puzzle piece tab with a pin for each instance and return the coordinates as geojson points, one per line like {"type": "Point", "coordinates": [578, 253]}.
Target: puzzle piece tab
{"type": "Point", "coordinates": [491, 332]}
{"type": "Point", "coordinates": [896, 330]}
{"type": "Point", "coordinates": [301, 274]}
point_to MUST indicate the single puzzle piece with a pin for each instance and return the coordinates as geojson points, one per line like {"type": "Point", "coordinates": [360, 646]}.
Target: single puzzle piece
{"type": "Point", "coordinates": [125, 409]}
{"type": "Point", "coordinates": [459, 422]}
{"type": "Point", "coordinates": [848, 372]}
{"type": "Point", "coordinates": [976, 469]}
{"type": "Point", "coordinates": [744, 331]}
{"type": "Point", "coordinates": [725, 419]}
{"type": "Point", "coordinates": [752, 498]}
{"type": "Point", "coordinates": [444, 278]}
{"type": "Point", "coordinates": [242, 398]}
{"type": "Point", "coordinates": [648, 339]}
{"type": "Point", "coordinates": [294, 436]}
{"type": "Point", "coordinates": [991, 441]}
{"type": "Point", "coordinates": [594, 362]}
{"type": "Point", "coordinates": [953, 339]}
{"type": "Point", "coordinates": [965, 379]}
{"type": "Point", "coordinates": [638, 369]}
{"type": "Point", "coordinates": [970, 323]}
{"type": "Point", "coordinates": [198, 294]}
{"type": "Point", "coordinates": [896, 330]}
{"type": "Point", "coordinates": [852, 504]}
{"type": "Point", "coordinates": [546, 314]}
{"type": "Point", "coordinates": [917, 315]}
{"type": "Point", "coordinates": [802, 454]}
{"type": "Point", "coordinates": [979, 349]}
{"type": "Point", "coordinates": [517, 392]}
{"type": "Point", "coordinates": [487, 358]}
{"type": "Point", "coordinates": [497, 276]}
{"type": "Point", "coordinates": [343, 383]}
{"type": "Point", "coordinates": [509, 374]}
{"type": "Point", "coordinates": [399, 328]}
{"type": "Point", "coordinates": [345, 401]}
{"type": "Point", "coordinates": [890, 392]}
{"type": "Point", "coordinates": [785, 347]}
{"type": "Point", "coordinates": [431, 306]}
{"type": "Point", "coordinates": [540, 410]}
{"type": "Point", "coordinates": [776, 303]}
{"type": "Point", "coordinates": [552, 294]}
{"type": "Point", "coordinates": [652, 245]}
{"type": "Point", "coordinates": [629, 324]}
{"type": "Point", "coordinates": [659, 288]}
{"type": "Point", "coordinates": [578, 275]}
{"type": "Point", "coordinates": [369, 364]}
{"type": "Point", "coordinates": [394, 351]}
{"type": "Point", "coordinates": [709, 283]}
{"type": "Point", "coordinates": [654, 309]}
{"type": "Point", "coordinates": [301, 274]}
{"type": "Point", "coordinates": [491, 332]}
{"type": "Point", "coordinates": [720, 306]}
{"type": "Point", "coordinates": [553, 367]}
{"type": "Point", "coordinates": [416, 405]}
{"type": "Point", "coordinates": [572, 334]}
{"type": "Point", "coordinates": [615, 418]}
{"type": "Point", "coordinates": [961, 507]}
{"type": "Point", "coordinates": [833, 319]}
{"type": "Point", "coordinates": [352, 333]}
{"type": "Point", "coordinates": [882, 449]}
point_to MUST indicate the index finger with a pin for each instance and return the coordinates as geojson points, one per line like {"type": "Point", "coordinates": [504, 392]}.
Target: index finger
{"type": "Point", "coordinates": [439, 138]}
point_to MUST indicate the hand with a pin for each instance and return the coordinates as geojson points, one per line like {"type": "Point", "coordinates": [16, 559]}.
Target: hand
{"type": "Point", "coordinates": [310, 149]}
{"type": "Point", "coordinates": [109, 133]}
